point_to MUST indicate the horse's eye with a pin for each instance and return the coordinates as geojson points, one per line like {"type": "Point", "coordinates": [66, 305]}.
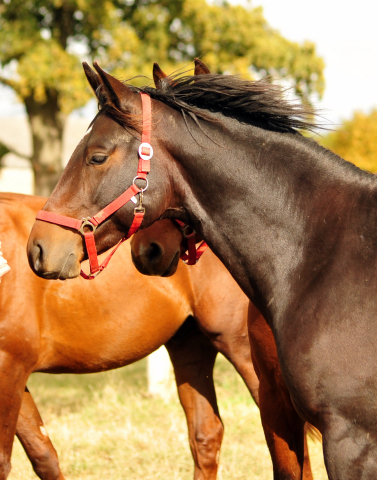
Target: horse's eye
{"type": "Point", "coordinates": [98, 159]}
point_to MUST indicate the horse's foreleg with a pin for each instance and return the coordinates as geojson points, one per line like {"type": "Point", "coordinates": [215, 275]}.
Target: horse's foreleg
{"type": "Point", "coordinates": [284, 432]}
{"type": "Point", "coordinates": [36, 442]}
{"type": "Point", "coordinates": [13, 376]}
{"type": "Point", "coordinates": [349, 447]}
{"type": "Point", "coordinates": [193, 358]}
{"type": "Point", "coordinates": [283, 428]}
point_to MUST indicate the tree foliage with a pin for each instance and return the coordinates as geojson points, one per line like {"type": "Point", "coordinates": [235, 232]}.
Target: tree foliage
{"type": "Point", "coordinates": [42, 43]}
{"type": "Point", "coordinates": [355, 140]}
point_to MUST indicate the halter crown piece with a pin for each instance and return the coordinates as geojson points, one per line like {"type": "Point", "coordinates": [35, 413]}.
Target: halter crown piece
{"type": "Point", "coordinates": [87, 226]}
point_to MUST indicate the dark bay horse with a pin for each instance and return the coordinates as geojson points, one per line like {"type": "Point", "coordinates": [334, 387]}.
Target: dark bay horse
{"type": "Point", "coordinates": [81, 327]}
{"type": "Point", "coordinates": [293, 223]}
{"type": "Point", "coordinates": [155, 251]}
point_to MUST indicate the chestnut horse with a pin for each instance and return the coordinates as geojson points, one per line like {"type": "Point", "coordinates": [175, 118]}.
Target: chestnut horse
{"type": "Point", "coordinates": [292, 222]}
{"type": "Point", "coordinates": [81, 327]}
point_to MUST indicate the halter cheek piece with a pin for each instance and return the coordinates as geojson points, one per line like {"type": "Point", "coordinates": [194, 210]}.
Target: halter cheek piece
{"type": "Point", "coordinates": [87, 226]}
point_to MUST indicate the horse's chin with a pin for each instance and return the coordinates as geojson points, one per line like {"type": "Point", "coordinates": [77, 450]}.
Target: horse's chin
{"type": "Point", "coordinates": [66, 273]}
{"type": "Point", "coordinates": [60, 269]}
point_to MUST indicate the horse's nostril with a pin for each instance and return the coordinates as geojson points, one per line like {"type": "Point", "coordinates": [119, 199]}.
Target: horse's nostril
{"type": "Point", "coordinates": [36, 256]}
{"type": "Point", "coordinates": [154, 253]}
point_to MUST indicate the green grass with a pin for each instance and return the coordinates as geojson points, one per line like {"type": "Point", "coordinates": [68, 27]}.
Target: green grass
{"type": "Point", "coordinates": [107, 426]}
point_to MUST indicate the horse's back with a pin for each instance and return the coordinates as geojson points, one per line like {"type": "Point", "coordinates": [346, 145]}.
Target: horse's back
{"type": "Point", "coordinates": [17, 212]}
{"type": "Point", "coordinates": [19, 200]}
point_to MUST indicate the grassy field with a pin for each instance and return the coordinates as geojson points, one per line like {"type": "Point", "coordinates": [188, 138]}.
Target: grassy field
{"type": "Point", "coordinates": [107, 426]}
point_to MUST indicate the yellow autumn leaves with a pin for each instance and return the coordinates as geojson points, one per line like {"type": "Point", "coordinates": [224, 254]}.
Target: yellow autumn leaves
{"type": "Point", "coordinates": [356, 140]}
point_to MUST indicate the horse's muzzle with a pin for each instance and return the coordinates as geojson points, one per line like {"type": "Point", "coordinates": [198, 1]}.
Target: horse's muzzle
{"type": "Point", "coordinates": [55, 259]}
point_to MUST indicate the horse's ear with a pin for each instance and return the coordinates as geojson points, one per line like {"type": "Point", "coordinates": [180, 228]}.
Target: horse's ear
{"type": "Point", "coordinates": [200, 68]}
{"type": "Point", "coordinates": [158, 75]}
{"type": "Point", "coordinates": [118, 93]}
{"type": "Point", "coordinates": [92, 77]}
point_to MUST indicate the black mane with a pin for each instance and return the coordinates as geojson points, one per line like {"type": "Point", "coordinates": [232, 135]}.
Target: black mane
{"type": "Point", "coordinates": [261, 102]}
{"type": "Point", "coordinates": [247, 101]}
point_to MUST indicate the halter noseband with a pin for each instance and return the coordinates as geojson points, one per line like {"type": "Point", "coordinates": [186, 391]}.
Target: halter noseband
{"type": "Point", "coordinates": [91, 223]}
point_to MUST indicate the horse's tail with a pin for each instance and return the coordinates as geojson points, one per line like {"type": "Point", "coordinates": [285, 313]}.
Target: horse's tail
{"type": "Point", "coordinates": [313, 432]}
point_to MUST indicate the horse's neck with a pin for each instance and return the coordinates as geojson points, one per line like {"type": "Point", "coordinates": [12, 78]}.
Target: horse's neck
{"type": "Point", "coordinates": [272, 206]}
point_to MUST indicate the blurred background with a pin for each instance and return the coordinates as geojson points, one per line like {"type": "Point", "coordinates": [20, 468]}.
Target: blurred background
{"type": "Point", "coordinates": [326, 51]}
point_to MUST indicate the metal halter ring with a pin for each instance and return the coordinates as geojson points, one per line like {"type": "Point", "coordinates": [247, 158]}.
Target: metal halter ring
{"type": "Point", "coordinates": [187, 231]}
{"type": "Point", "coordinates": [145, 156]}
{"type": "Point", "coordinates": [141, 178]}
{"type": "Point", "coordinates": [87, 223]}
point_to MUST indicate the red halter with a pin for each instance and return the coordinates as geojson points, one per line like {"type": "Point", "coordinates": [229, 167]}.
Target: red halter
{"type": "Point", "coordinates": [193, 254]}
{"type": "Point", "coordinates": [145, 154]}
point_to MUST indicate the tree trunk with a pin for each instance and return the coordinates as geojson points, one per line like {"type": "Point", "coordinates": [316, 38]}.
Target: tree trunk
{"type": "Point", "coordinates": [47, 125]}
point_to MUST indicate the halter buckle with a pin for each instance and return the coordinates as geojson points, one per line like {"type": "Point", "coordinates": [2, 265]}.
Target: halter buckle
{"type": "Point", "coordinates": [87, 223]}
{"type": "Point", "coordinates": [140, 208]}
{"type": "Point", "coordinates": [145, 151]}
